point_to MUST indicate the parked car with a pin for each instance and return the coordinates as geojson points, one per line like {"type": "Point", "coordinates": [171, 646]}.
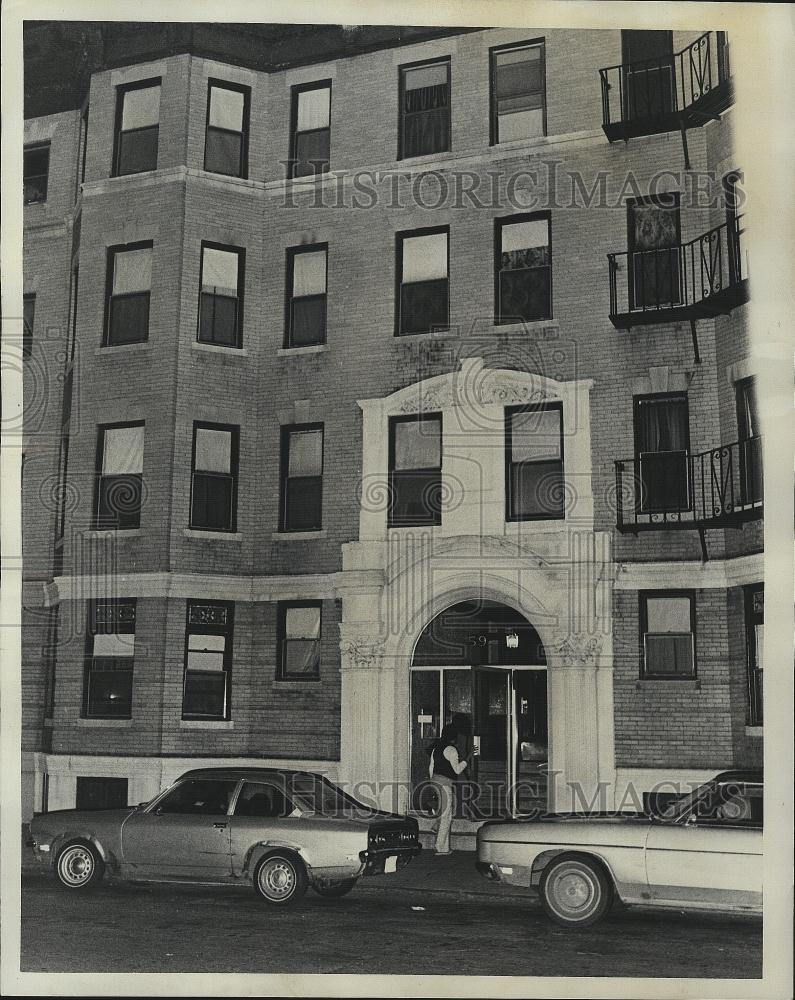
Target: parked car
{"type": "Point", "coordinates": [701, 851]}
{"type": "Point", "coordinates": [282, 830]}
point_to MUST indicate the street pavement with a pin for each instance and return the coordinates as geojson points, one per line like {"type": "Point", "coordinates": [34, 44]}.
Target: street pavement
{"type": "Point", "coordinates": [436, 917]}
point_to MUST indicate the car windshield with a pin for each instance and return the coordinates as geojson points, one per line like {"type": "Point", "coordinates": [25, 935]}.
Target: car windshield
{"type": "Point", "coordinates": [319, 795]}
{"type": "Point", "coordinates": [727, 801]}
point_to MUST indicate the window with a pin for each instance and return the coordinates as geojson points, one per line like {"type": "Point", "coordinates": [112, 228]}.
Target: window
{"type": "Point", "coordinates": [422, 278]}
{"type": "Point", "coordinates": [35, 171]}
{"type": "Point", "coordinates": [128, 288]}
{"type": "Point", "coordinates": [107, 687]}
{"type": "Point", "coordinates": [120, 465]}
{"type": "Point", "coordinates": [310, 129]}
{"type": "Point", "coordinates": [517, 92]}
{"type": "Point", "coordinates": [667, 634]}
{"type": "Point", "coordinates": [653, 241]}
{"type": "Point", "coordinates": [424, 109]}
{"type": "Point", "coordinates": [137, 127]}
{"type": "Point", "coordinates": [306, 295]}
{"type": "Point", "coordinates": [755, 648]}
{"type": "Point", "coordinates": [535, 485]}
{"type": "Point", "coordinates": [214, 480]}
{"type": "Point", "coordinates": [299, 641]}
{"type": "Point", "coordinates": [198, 797]}
{"type": "Point", "coordinates": [208, 660]}
{"type": "Point", "coordinates": [226, 140]}
{"type": "Point", "coordinates": [662, 445]}
{"type": "Point", "coordinates": [523, 275]}
{"type": "Point", "coordinates": [302, 478]}
{"type": "Point", "coordinates": [648, 77]}
{"type": "Point", "coordinates": [101, 793]}
{"type": "Point", "coordinates": [415, 471]}
{"type": "Point", "coordinates": [221, 299]}
{"type": "Point", "coordinates": [260, 798]}
{"type": "Point", "coordinates": [28, 318]}
{"type": "Point", "coordinates": [749, 442]}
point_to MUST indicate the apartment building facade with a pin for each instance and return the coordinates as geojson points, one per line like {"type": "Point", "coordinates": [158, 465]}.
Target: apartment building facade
{"type": "Point", "coordinates": [378, 378]}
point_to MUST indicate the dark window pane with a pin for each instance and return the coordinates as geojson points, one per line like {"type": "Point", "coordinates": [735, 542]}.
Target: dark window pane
{"type": "Point", "coordinates": [751, 470]}
{"type": "Point", "coordinates": [101, 793]}
{"type": "Point", "coordinates": [655, 278]}
{"type": "Point", "coordinates": [664, 481]}
{"type": "Point", "coordinates": [205, 694]}
{"type": "Point", "coordinates": [424, 306]}
{"type": "Point", "coordinates": [537, 490]}
{"type": "Point", "coordinates": [119, 502]}
{"type": "Point", "coordinates": [669, 654]}
{"type": "Point", "coordinates": [416, 498]}
{"type": "Point", "coordinates": [303, 504]}
{"type": "Point", "coordinates": [138, 150]}
{"type": "Point", "coordinates": [199, 797]}
{"type": "Point", "coordinates": [426, 110]}
{"type": "Point", "coordinates": [218, 320]}
{"type": "Point", "coordinates": [308, 324]}
{"type": "Point", "coordinates": [212, 502]}
{"type": "Point", "coordinates": [525, 295]}
{"type": "Point", "coordinates": [311, 152]}
{"type": "Point", "coordinates": [110, 688]}
{"type": "Point", "coordinates": [223, 152]}
{"type": "Point", "coordinates": [302, 657]}
{"type": "Point", "coordinates": [129, 318]}
{"type": "Point", "coordinates": [28, 318]}
{"type": "Point", "coordinates": [36, 167]}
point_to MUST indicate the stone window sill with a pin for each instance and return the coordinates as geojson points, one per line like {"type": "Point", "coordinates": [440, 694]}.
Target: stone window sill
{"type": "Point", "coordinates": [114, 532]}
{"type": "Point", "coordinates": [111, 349]}
{"type": "Point", "coordinates": [451, 332]}
{"type": "Point", "coordinates": [104, 723]}
{"type": "Point", "coordinates": [288, 352]}
{"type": "Point", "coordinates": [537, 324]}
{"type": "Point", "coordinates": [755, 731]}
{"type": "Point", "coordinates": [228, 352]}
{"type": "Point", "coordinates": [297, 536]}
{"type": "Point", "coordinates": [214, 536]}
{"type": "Point", "coordinates": [292, 684]}
{"type": "Point", "coordinates": [670, 683]}
{"type": "Point", "coordinates": [206, 724]}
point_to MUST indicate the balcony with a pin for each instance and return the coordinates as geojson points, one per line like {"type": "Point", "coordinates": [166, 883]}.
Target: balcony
{"type": "Point", "coordinates": [677, 91]}
{"type": "Point", "coordinates": [719, 488]}
{"type": "Point", "coordinates": [705, 277]}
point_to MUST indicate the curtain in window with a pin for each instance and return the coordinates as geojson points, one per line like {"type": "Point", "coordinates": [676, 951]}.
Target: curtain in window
{"type": "Point", "coordinates": [654, 258]}
{"type": "Point", "coordinates": [662, 436]}
{"type": "Point", "coordinates": [519, 93]}
{"type": "Point", "coordinates": [426, 111]}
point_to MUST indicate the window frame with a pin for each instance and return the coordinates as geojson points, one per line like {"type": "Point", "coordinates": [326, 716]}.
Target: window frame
{"type": "Point", "coordinates": [91, 623]}
{"type": "Point", "coordinates": [295, 92]}
{"type": "Point", "coordinates": [400, 238]}
{"type": "Point", "coordinates": [494, 51]}
{"type": "Point", "coordinates": [286, 431]}
{"type": "Point", "coordinates": [100, 474]}
{"type": "Point", "coordinates": [500, 224]}
{"type": "Point", "coordinates": [241, 281]}
{"type": "Point", "coordinates": [228, 632]}
{"type": "Point", "coordinates": [233, 474]}
{"type": "Point", "coordinates": [643, 597]}
{"type": "Point", "coordinates": [555, 405]}
{"type": "Point", "coordinates": [289, 297]}
{"type": "Point", "coordinates": [121, 91]}
{"type": "Point", "coordinates": [35, 147]}
{"type": "Point", "coordinates": [640, 506]}
{"type": "Point", "coordinates": [438, 60]}
{"type": "Point", "coordinates": [394, 421]}
{"type": "Point", "coordinates": [29, 299]}
{"type": "Point", "coordinates": [281, 640]}
{"type": "Point", "coordinates": [111, 253]}
{"type": "Point", "coordinates": [244, 134]}
{"type": "Point", "coordinates": [754, 671]}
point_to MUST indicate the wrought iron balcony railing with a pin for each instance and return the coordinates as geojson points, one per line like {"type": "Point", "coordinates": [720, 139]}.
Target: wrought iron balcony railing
{"type": "Point", "coordinates": [705, 277]}
{"type": "Point", "coordinates": [719, 488]}
{"type": "Point", "coordinates": [675, 91]}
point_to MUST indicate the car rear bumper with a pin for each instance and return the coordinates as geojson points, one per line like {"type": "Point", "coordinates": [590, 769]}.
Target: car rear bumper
{"type": "Point", "coordinates": [375, 861]}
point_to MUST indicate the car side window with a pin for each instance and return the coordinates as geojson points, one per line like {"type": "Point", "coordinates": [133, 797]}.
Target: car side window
{"type": "Point", "coordinates": [732, 804]}
{"type": "Point", "coordinates": [199, 797]}
{"type": "Point", "coordinates": [259, 798]}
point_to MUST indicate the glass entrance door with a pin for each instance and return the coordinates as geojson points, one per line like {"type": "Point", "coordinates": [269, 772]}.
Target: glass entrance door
{"type": "Point", "coordinates": [492, 736]}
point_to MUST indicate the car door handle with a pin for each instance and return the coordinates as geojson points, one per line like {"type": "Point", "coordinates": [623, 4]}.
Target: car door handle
{"type": "Point", "coordinates": [219, 826]}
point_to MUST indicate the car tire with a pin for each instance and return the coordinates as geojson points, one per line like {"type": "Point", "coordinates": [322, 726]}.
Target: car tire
{"type": "Point", "coordinates": [280, 878]}
{"type": "Point", "coordinates": [79, 866]}
{"type": "Point", "coordinates": [575, 891]}
{"type": "Point", "coordinates": [335, 890]}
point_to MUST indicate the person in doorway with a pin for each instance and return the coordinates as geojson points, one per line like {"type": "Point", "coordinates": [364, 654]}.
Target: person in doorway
{"type": "Point", "coordinates": [444, 769]}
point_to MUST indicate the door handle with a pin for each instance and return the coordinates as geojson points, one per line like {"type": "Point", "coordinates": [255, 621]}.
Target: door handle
{"type": "Point", "coordinates": [219, 826]}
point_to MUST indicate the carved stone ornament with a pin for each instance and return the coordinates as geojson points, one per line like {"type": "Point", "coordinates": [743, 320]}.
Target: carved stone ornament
{"type": "Point", "coordinates": [580, 650]}
{"type": "Point", "coordinates": [436, 398]}
{"type": "Point", "coordinates": [363, 651]}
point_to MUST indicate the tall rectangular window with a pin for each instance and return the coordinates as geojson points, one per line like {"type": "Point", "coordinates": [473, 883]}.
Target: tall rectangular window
{"type": "Point", "coordinates": [653, 244]}
{"type": "Point", "coordinates": [299, 640]}
{"type": "Point", "coordinates": [749, 441]}
{"type": "Point", "coordinates": [129, 284]}
{"type": "Point", "coordinates": [221, 299]}
{"type": "Point", "coordinates": [214, 479]}
{"type": "Point", "coordinates": [662, 446]}
{"type": "Point", "coordinates": [35, 172]}
{"type": "Point", "coordinates": [302, 478]}
{"type": "Point", "coordinates": [517, 92]}
{"type": "Point", "coordinates": [424, 109]}
{"type": "Point", "coordinates": [137, 127]}
{"type": "Point", "coordinates": [535, 483]}
{"type": "Point", "coordinates": [422, 271]}
{"type": "Point", "coordinates": [208, 660]}
{"type": "Point", "coordinates": [307, 269]}
{"type": "Point", "coordinates": [523, 272]}
{"type": "Point", "coordinates": [110, 650]}
{"type": "Point", "coordinates": [120, 464]}
{"type": "Point", "coordinates": [28, 319]}
{"type": "Point", "coordinates": [310, 143]}
{"type": "Point", "coordinates": [755, 648]}
{"type": "Point", "coordinates": [667, 622]}
{"type": "Point", "coordinates": [415, 471]}
{"type": "Point", "coordinates": [226, 139]}
{"type": "Point", "coordinates": [101, 793]}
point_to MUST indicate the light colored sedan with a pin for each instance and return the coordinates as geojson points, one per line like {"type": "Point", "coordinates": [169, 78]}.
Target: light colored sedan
{"type": "Point", "coordinates": [280, 830]}
{"type": "Point", "coordinates": [702, 851]}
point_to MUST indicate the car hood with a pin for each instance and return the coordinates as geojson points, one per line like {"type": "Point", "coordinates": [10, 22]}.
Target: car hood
{"type": "Point", "coordinates": [551, 824]}
{"type": "Point", "coordinates": [61, 819]}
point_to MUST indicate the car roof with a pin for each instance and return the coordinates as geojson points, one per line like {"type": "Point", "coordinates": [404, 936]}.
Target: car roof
{"type": "Point", "coordinates": [244, 772]}
{"type": "Point", "coordinates": [741, 774]}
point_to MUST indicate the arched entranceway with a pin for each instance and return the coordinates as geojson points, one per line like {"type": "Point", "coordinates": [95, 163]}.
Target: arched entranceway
{"type": "Point", "coordinates": [482, 665]}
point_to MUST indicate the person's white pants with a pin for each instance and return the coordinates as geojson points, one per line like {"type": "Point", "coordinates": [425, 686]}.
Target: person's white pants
{"type": "Point", "coordinates": [446, 792]}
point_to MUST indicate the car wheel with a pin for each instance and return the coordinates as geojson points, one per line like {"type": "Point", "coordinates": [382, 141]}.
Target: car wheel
{"type": "Point", "coordinates": [280, 879]}
{"type": "Point", "coordinates": [336, 890]}
{"type": "Point", "coordinates": [575, 891]}
{"type": "Point", "coordinates": [78, 866]}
